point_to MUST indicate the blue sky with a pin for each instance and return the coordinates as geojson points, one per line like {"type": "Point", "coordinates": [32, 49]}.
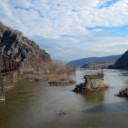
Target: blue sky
{"type": "Point", "coordinates": [72, 29]}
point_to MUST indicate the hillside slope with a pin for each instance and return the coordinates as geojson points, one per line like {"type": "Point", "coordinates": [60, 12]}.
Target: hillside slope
{"type": "Point", "coordinates": [20, 48]}
{"type": "Point", "coordinates": [82, 62]}
{"type": "Point", "coordinates": [122, 62]}
{"type": "Point", "coordinates": [34, 62]}
{"type": "Point", "coordinates": [30, 57]}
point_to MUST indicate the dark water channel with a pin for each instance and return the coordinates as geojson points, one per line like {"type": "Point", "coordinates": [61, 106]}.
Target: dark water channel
{"type": "Point", "coordinates": [36, 105]}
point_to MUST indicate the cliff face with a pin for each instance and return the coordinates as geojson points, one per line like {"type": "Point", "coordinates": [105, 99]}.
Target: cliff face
{"type": "Point", "coordinates": [32, 59]}
{"type": "Point", "coordinates": [122, 62]}
{"type": "Point", "coordinates": [35, 63]}
{"type": "Point", "coordinates": [20, 48]}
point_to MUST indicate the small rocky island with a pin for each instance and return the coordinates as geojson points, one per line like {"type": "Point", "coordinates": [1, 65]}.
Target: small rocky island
{"type": "Point", "coordinates": [123, 93]}
{"type": "Point", "coordinates": [92, 83]}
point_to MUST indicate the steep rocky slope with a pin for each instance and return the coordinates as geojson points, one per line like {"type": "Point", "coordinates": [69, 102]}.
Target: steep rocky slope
{"type": "Point", "coordinates": [122, 62]}
{"type": "Point", "coordinates": [30, 57]}
{"type": "Point", "coordinates": [18, 47]}
{"type": "Point", "coordinates": [34, 62]}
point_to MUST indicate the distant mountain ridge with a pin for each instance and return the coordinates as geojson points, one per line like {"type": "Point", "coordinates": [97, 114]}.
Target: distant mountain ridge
{"type": "Point", "coordinates": [82, 62]}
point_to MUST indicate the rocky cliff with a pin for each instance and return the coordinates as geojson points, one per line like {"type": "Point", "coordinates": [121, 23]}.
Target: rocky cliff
{"type": "Point", "coordinates": [122, 62]}
{"type": "Point", "coordinates": [20, 48]}
{"type": "Point", "coordinates": [34, 62]}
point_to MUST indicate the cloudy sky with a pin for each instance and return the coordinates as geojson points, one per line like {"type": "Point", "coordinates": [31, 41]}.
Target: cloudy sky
{"type": "Point", "coordinates": [71, 29]}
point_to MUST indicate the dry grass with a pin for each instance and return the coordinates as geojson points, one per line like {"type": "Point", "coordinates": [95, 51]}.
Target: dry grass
{"type": "Point", "coordinates": [51, 71]}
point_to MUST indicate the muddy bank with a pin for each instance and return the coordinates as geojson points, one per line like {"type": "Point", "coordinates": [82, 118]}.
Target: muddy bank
{"type": "Point", "coordinates": [53, 79]}
{"type": "Point", "coordinates": [92, 83]}
{"type": "Point", "coordinates": [61, 80]}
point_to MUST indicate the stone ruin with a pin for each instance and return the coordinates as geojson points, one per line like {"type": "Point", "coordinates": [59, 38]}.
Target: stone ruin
{"type": "Point", "coordinates": [92, 83]}
{"type": "Point", "coordinates": [123, 93]}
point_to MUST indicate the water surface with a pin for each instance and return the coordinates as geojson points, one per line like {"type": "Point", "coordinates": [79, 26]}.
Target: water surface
{"type": "Point", "coordinates": [36, 105]}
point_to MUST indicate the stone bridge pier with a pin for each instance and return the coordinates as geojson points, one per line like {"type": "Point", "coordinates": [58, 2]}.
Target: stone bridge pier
{"type": "Point", "coordinates": [9, 74]}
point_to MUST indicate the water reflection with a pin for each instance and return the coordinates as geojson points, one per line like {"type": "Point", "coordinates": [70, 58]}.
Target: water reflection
{"type": "Point", "coordinates": [93, 97]}
{"type": "Point", "coordinates": [116, 107]}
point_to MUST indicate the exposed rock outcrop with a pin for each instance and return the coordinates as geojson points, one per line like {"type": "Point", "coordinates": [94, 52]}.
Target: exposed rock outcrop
{"type": "Point", "coordinates": [123, 93]}
{"type": "Point", "coordinates": [20, 48]}
{"type": "Point", "coordinates": [92, 83]}
{"type": "Point", "coordinates": [23, 50]}
{"type": "Point", "coordinates": [35, 63]}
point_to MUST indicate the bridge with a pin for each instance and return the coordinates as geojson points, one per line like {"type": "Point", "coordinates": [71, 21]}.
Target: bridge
{"type": "Point", "coordinates": [7, 68]}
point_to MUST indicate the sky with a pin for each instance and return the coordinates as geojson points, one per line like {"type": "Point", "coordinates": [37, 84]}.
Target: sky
{"type": "Point", "coordinates": [71, 29]}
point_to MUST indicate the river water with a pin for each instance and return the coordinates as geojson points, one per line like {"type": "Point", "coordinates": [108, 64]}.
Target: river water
{"type": "Point", "coordinates": [36, 105]}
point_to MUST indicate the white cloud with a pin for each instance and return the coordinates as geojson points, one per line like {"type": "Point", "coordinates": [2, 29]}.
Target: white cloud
{"type": "Point", "coordinates": [54, 18]}
{"type": "Point", "coordinates": [59, 17]}
{"type": "Point", "coordinates": [68, 49]}
{"type": "Point", "coordinates": [21, 3]}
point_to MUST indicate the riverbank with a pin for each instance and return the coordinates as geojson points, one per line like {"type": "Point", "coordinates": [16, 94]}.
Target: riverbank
{"type": "Point", "coordinates": [54, 72]}
{"type": "Point", "coordinates": [52, 79]}
{"type": "Point", "coordinates": [61, 77]}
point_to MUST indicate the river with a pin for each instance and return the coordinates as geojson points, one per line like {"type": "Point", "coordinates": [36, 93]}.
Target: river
{"type": "Point", "coordinates": [35, 105]}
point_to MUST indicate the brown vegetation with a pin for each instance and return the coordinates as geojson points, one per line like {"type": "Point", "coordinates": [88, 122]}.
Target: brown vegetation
{"type": "Point", "coordinates": [53, 71]}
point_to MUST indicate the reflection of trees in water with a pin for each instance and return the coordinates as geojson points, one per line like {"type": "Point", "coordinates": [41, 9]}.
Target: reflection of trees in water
{"type": "Point", "coordinates": [94, 97]}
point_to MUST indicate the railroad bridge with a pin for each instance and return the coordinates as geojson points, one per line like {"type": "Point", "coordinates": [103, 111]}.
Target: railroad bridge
{"type": "Point", "coordinates": [8, 71]}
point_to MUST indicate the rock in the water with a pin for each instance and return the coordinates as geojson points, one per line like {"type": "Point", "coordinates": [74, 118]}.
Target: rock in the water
{"type": "Point", "coordinates": [92, 83]}
{"type": "Point", "coordinates": [63, 80]}
{"type": "Point", "coordinates": [123, 93]}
